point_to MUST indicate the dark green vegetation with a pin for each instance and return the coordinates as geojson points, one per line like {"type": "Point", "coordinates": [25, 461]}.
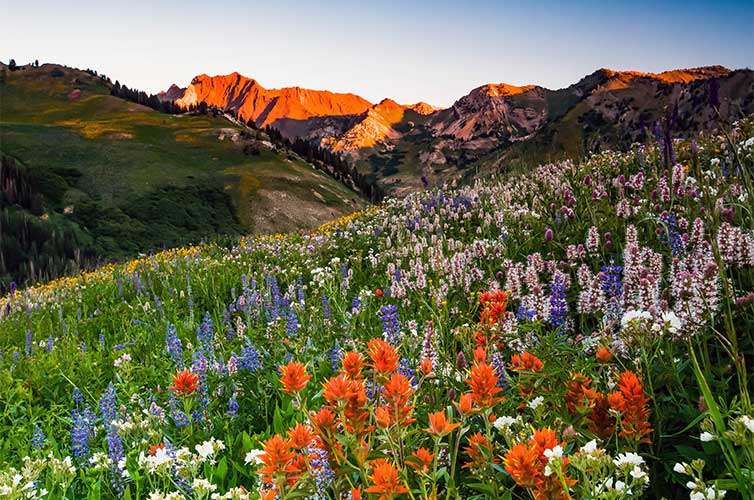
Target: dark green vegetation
{"type": "Point", "coordinates": [106, 178]}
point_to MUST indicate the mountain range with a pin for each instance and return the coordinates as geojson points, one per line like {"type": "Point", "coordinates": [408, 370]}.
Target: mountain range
{"type": "Point", "coordinates": [493, 125]}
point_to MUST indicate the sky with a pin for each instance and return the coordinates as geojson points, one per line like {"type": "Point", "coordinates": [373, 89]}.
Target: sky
{"type": "Point", "coordinates": [425, 50]}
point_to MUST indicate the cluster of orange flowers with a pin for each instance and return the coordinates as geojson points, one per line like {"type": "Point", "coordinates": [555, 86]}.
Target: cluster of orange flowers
{"type": "Point", "coordinates": [529, 466]}
{"type": "Point", "coordinates": [493, 307]}
{"type": "Point", "coordinates": [493, 312]}
{"type": "Point", "coordinates": [347, 409]}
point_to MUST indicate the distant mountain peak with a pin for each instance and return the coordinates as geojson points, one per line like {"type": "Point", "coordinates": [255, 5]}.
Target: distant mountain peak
{"type": "Point", "coordinates": [671, 76]}
{"type": "Point", "coordinates": [503, 89]}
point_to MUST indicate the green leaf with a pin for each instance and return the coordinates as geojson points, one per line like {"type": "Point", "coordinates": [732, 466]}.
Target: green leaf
{"type": "Point", "coordinates": [222, 468]}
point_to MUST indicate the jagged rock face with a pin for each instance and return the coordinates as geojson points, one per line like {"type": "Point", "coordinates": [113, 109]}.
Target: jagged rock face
{"type": "Point", "coordinates": [492, 124]}
{"type": "Point", "coordinates": [499, 110]}
{"type": "Point", "coordinates": [282, 108]}
{"type": "Point", "coordinates": [173, 93]}
{"type": "Point", "coordinates": [376, 125]}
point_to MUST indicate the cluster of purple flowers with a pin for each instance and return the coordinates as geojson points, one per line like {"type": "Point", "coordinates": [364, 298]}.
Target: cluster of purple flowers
{"type": "Point", "coordinates": [391, 326]}
{"type": "Point", "coordinates": [174, 347]}
{"type": "Point", "coordinates": [670, 235]}
{"type": "Point", "coordinates": [83, 426]}
{"type": "Point", "coordinates": [558, 304]}
{"type": "Point", "coordinates": [322, 472]}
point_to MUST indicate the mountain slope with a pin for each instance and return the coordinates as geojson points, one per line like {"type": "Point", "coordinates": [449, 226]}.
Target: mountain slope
{"type": "Point", "coordinates": [494, 124]}
{"type": "Point", "coordinates": [122, 178]}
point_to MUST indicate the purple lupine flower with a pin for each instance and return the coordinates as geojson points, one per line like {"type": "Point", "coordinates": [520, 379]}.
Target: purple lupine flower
{"type": "Point", "coordinates": [80, 434]}
{"type": "Point", "coordinates": [107, 405]}
{"type": "Point", "coordinates": [83, 426]}
{"type": "Point", "coordinates": [120, 347]}
{"type": "Point", "coordinates": [558, 304]}
{"type": "Point", "coordinates": [232, 407]}
{"type": "Point", "coordinates": [322, 472]}
{"type": "Point", "coordinates": [498, 364]}
{"type": "Point", "coordinates": [670, 235]}
{"type": "Point", "coordinates": [526, 314]}
{"type": "Point", "coordinates": [115, 453]}
{"type": "Point", "coordinates": [334, 355]}
{"type": "Point", "coordinates": [610, 282]}
{"type": "Point", "coordinates": [28, 348]}
{"type": "Point", "coordinates": [326, 311]}
{"type": "Point", "coordinates": [179, 418]}
{"type": "Point", "coordinates": [391, 327]}
{"type": "Point", "coordinates": [291, 323]}
{"type": "Point", "coordinates": [250, 358]}
{"type": "Point", "coordinates": [38, 438]}
{"type": "Point", "coordinates": [174, 347]}
{"type": "Point", "coordinates": [206, 337]}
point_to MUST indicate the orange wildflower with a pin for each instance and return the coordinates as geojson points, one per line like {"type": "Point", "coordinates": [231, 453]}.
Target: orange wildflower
{"type": "Point", "coordinates": [483, 383]}
{"type": "Point", "coordinates": [386, 481]}
{"type": "Point", "coordinates": [300, 436]}
{"type": "Point", "coordinates": [543, 439]}
{"type": "Point", "coordinates": [480, 354]}
{"type": "Point", "coordinates": [382, 417]}
{"type": "Point", "coordinates": [383, 355]}
{"type": "Point", "coordinates": [493, 307]}
{"type": "Point", "coordinates": [629, 400]}
{"type": "Point", "coordinates": [478, 450]}
{"type": "Point", "coordinates": [323, 423]}
{"type": "Point", "coordinates": [356, 493]}
{"type": "Point", "coordinates": [426, 367]}
{"type": "Point", "coordinates": [465, 404]}
{"type": "Point", "coordinates": [185, 383]}
{"type": "Point", "coordinates": [397, 392]}
{"type": "Point", "coordinates": [278, 460]}
{"type": "Point", "coordinates": [526, 362]}
{"type": "Point", "coordinates": [293, 376]}
{"type": "Point", "coordinates": [521, 462]}
{"type": "Point", "coordinates": [604, 355]}
{"type": "Point", "coordinates": [439, 425]}
{"type": "Point", "coordinates": [421, 460]}
{"type": "Point", "coordinates": [338, 389]}
{"type": "Point", "coordinates": [526, 463]}
{"type": "Point", "coordinates": [353, 363]}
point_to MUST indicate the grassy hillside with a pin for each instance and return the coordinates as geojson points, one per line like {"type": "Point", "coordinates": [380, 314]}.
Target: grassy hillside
{"type": "Point", "coordinates": [133, 180]}
{"type": "Point", "coordinates": [581, 330]}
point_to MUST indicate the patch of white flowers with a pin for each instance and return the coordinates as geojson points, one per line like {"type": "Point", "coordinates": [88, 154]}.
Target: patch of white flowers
{"type": "Point", "coordinates": [700, 490]}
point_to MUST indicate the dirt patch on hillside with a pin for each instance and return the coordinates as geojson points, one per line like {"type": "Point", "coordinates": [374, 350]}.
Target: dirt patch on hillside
{"type": "Point", "coordinates": [279, 211]}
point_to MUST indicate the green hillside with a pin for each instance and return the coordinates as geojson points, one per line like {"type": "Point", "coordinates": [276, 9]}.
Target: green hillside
{"type": "Point", "coordinates": [113, 178]}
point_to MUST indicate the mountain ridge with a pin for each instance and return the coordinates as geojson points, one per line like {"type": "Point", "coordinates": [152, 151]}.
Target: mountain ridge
{"type": "Point", "coordinates": [398, 144]}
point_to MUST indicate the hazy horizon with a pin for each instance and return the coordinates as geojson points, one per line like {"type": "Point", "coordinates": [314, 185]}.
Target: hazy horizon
{"type": "Point", "coordinates": [408, 52]}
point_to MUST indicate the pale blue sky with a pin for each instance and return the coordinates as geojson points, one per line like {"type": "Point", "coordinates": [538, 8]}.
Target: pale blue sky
{"type": "Point", "coordinates": [431, 50]}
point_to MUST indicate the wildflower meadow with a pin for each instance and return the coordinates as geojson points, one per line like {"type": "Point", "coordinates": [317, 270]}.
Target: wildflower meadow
{"type": "Point", "coordinates": [578, 330]}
